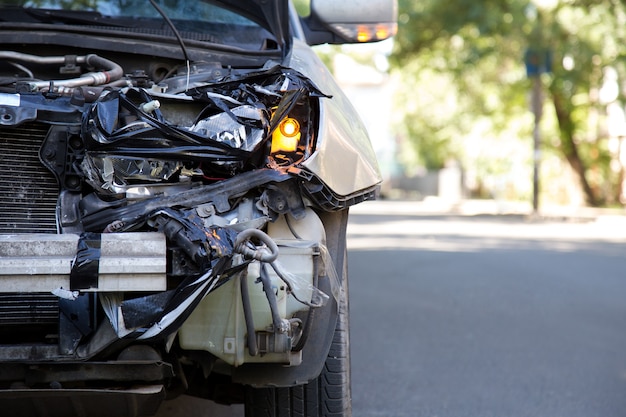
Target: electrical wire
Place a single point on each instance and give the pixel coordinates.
(178, 37)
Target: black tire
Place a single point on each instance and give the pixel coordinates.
(328, 395)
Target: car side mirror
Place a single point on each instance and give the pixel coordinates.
(332, 21)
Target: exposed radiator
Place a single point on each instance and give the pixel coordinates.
(28, 190)
(26, 309)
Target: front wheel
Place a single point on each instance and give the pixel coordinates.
(329, 394)
(326, 396)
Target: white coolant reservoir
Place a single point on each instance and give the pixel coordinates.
(308, 228)
(218, 324)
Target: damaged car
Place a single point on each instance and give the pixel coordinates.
(176, 180)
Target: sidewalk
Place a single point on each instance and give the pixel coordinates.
(434, 206)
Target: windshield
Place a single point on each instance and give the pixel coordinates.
(176, 9)
(188, 15)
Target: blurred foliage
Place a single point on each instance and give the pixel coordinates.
(464, 63)
(303, 7)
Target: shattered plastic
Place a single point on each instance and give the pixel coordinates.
(129, 139)
(236, 130)
(162, 313)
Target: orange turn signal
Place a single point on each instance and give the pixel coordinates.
(363, 34)
(286, 137)
(367, 32)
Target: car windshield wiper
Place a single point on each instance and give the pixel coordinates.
(53, 16)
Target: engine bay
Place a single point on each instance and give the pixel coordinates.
(137, 131)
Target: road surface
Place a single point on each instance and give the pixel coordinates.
(486, 315)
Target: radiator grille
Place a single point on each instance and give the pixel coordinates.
(28, 190)
(28, 309)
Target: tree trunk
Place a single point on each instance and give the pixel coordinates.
(569, 147)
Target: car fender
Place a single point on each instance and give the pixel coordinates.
(344, 158)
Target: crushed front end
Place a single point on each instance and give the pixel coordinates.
(156, 227)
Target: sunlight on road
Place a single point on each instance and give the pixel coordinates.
(414, 225)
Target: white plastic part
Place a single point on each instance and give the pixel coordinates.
(218, 324)
(150, 106)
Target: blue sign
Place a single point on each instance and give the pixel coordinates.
(538, 61)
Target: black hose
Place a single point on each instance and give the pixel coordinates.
(113, 73)
(277, 321)
(253, 349)
(259, 255)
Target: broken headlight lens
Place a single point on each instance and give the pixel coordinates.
(134, 135)
(237, 132)
(114, 174)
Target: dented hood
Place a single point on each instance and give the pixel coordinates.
(272, 14)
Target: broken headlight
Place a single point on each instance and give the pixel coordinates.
(137, 136)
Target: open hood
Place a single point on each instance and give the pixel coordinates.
(272, 14)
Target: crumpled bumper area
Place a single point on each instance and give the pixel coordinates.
(109, 262)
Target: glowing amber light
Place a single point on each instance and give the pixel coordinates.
(363, 34)
(289, 127)
(287, 136)
(382, 32)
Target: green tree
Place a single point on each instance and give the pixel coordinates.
(478, 46)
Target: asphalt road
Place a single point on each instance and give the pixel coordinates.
(481, 316)
(486, 315)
